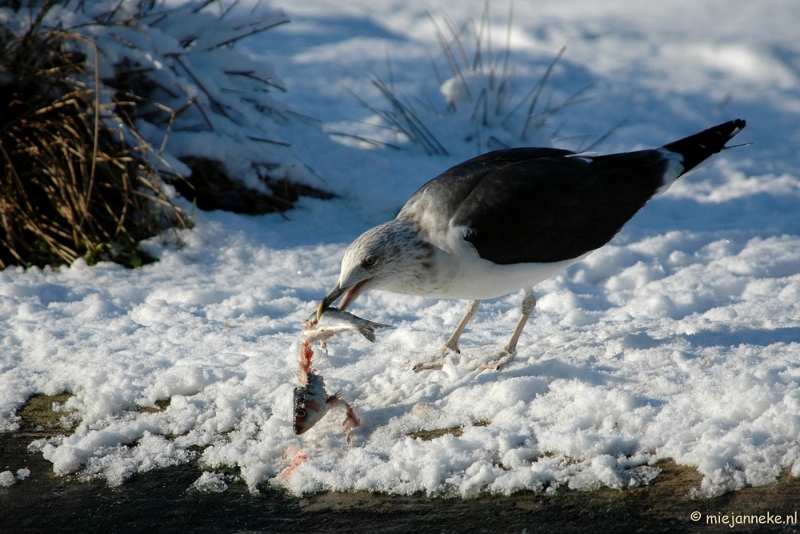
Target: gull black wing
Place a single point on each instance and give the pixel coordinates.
(552, 209)
(435, 203)
(542, 206)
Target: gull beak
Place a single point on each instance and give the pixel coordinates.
(350, 294)
(329, 299)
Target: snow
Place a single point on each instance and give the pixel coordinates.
(680, 339)
(210, 483)
(8, 479)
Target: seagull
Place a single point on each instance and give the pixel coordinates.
(509, 219)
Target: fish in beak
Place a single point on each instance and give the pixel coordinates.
(350, 294)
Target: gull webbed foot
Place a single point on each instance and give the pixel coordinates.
(498, 363)
(434, 364)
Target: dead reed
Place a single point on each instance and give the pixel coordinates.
(71, 185)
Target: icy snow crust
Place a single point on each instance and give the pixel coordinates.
(680, 339)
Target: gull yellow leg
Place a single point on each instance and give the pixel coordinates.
(451, 344)
(528, 305)
(469, 313)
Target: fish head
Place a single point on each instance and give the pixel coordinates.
(310, 405)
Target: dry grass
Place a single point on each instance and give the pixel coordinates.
(71, 186)
(77, 179)
(478, 80)
(457, 431)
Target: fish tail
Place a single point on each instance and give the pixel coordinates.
(368, 329)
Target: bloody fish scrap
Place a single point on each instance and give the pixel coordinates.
(311, 401)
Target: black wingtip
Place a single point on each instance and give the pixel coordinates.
(698, 147)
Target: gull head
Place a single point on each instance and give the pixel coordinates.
(391, 256)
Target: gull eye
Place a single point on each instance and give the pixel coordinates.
(369, 262)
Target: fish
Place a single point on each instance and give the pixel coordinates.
(334, 321)
(311, 401)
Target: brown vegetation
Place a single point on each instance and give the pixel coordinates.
(71, 186)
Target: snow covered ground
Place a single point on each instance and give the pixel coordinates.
(680, 339)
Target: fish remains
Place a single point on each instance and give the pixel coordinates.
(311, 401)
(334, 321)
